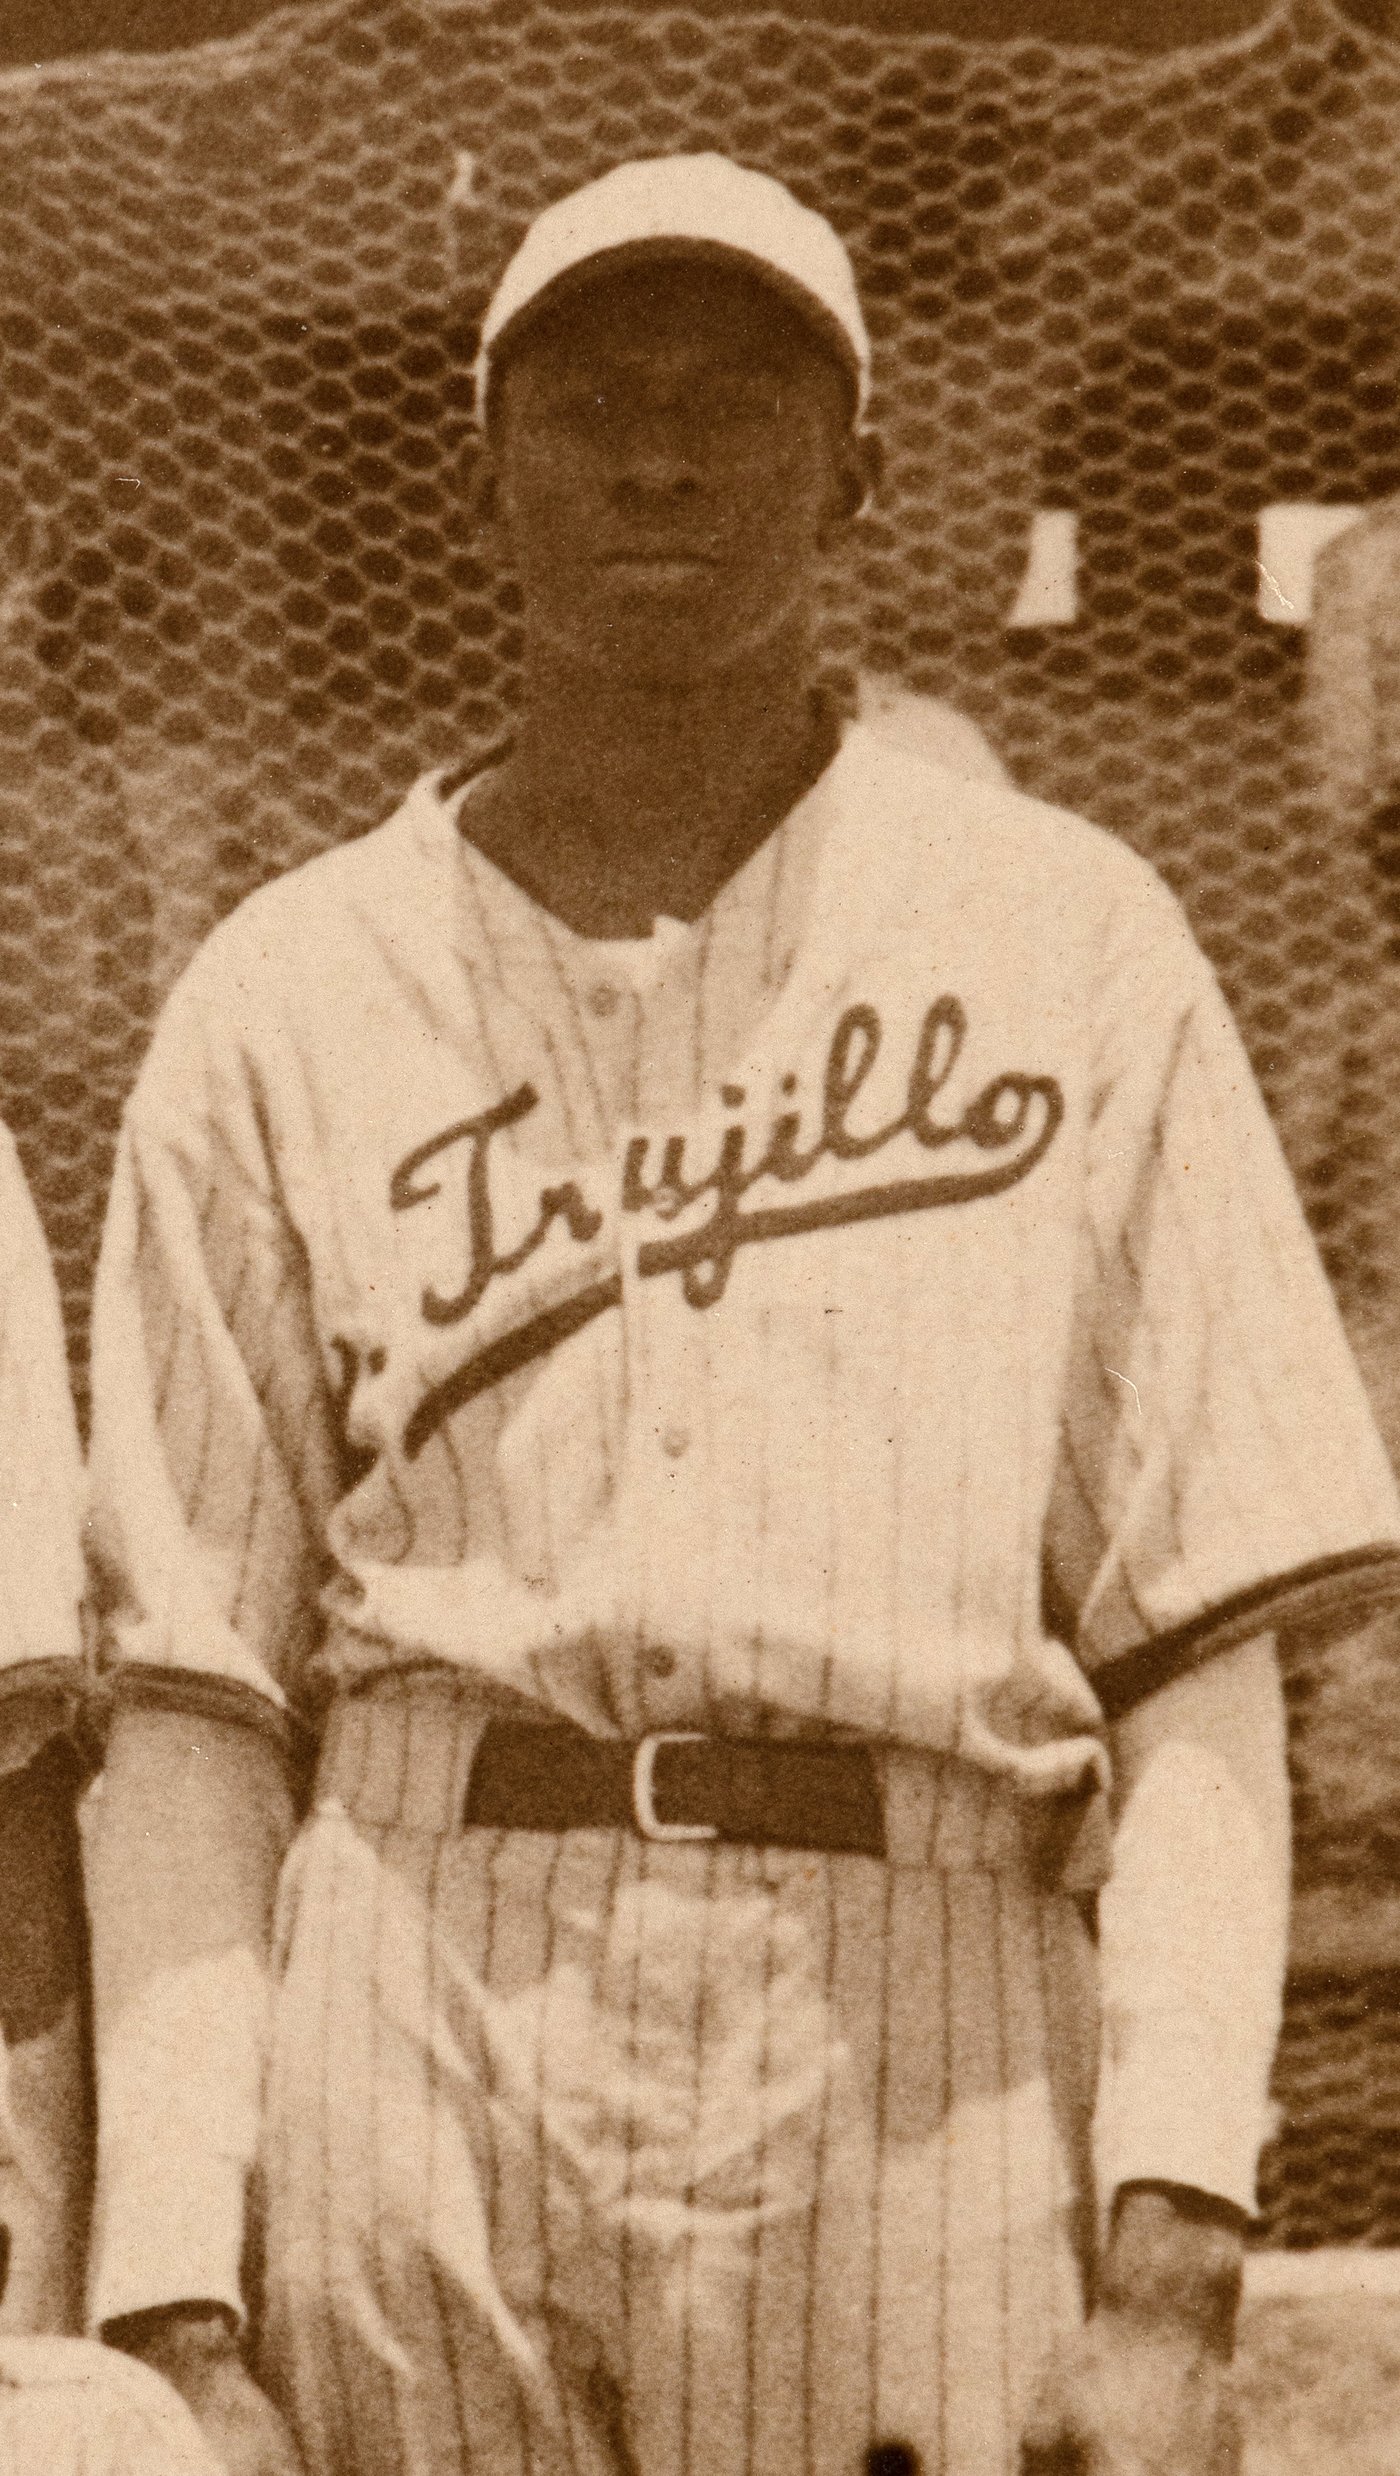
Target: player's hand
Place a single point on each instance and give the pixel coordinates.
(1147, 2389)
(1129, 2401)
(195, 2348)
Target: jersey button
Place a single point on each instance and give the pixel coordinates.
(674, 1442)
(661, 1662)
(603, 999)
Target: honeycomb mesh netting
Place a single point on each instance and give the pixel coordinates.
(236, 310)
(1332, 2176)
(242, 604)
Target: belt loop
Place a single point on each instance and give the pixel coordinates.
(444, 1721)
(398, 1748)
(910, 1791)
(945, 1813)
(341, 1762)
(375, 1757)
(960, 1840)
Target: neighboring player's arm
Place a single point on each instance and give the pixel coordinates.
(212, 1468)
(42, 2102)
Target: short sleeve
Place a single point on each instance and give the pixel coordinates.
(41, 1486)
(213, 1450)
(1218, 1457)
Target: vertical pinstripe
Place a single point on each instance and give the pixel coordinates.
(754, 2144)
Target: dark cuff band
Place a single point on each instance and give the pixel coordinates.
(1332, 1595)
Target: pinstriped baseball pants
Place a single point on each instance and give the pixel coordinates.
(587, 2155)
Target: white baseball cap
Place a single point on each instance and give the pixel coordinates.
(692, 205)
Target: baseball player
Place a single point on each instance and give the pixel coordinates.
(67, 2408)
(710, 1321)
(74, 920)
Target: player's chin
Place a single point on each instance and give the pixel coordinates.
(666, 633)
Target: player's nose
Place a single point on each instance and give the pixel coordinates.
(658, 446)
(657, 460)
(656, 481)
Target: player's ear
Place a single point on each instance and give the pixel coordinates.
(870, 454)
(483, 490)
(858, 469)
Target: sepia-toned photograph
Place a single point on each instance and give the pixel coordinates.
(699, 1238)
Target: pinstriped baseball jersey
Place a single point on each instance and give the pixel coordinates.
(765, 1324)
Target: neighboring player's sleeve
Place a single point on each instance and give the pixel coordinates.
(1220, 1470)
(41, 1483)
(213, 1467)
(42, 2075)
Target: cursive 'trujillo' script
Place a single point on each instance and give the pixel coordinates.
(1010, 1123)
(1013, 1117)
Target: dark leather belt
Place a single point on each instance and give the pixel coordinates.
(675, 1785)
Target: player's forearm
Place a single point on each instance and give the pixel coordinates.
(41, 1944)
(1194, 1933)
(189, 1829)
(45, 2123)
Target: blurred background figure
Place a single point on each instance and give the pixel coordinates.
(1351, 744)
(74, 919)
(1352, 700)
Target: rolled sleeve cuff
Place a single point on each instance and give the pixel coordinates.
(1183, 2102)
(169, 2232)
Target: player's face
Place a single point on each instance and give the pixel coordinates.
(671, 457)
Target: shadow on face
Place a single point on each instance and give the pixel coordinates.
(671, 456)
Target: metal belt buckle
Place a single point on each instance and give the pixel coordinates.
(644, 1813)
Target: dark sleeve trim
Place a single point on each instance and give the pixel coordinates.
(61, 1681)
(60, 1688)
(1328, 1596)
(137, 1686)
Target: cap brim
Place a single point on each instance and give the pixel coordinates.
(680, 248)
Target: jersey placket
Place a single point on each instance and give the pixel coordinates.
(699, 1005)
(664, 1358)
